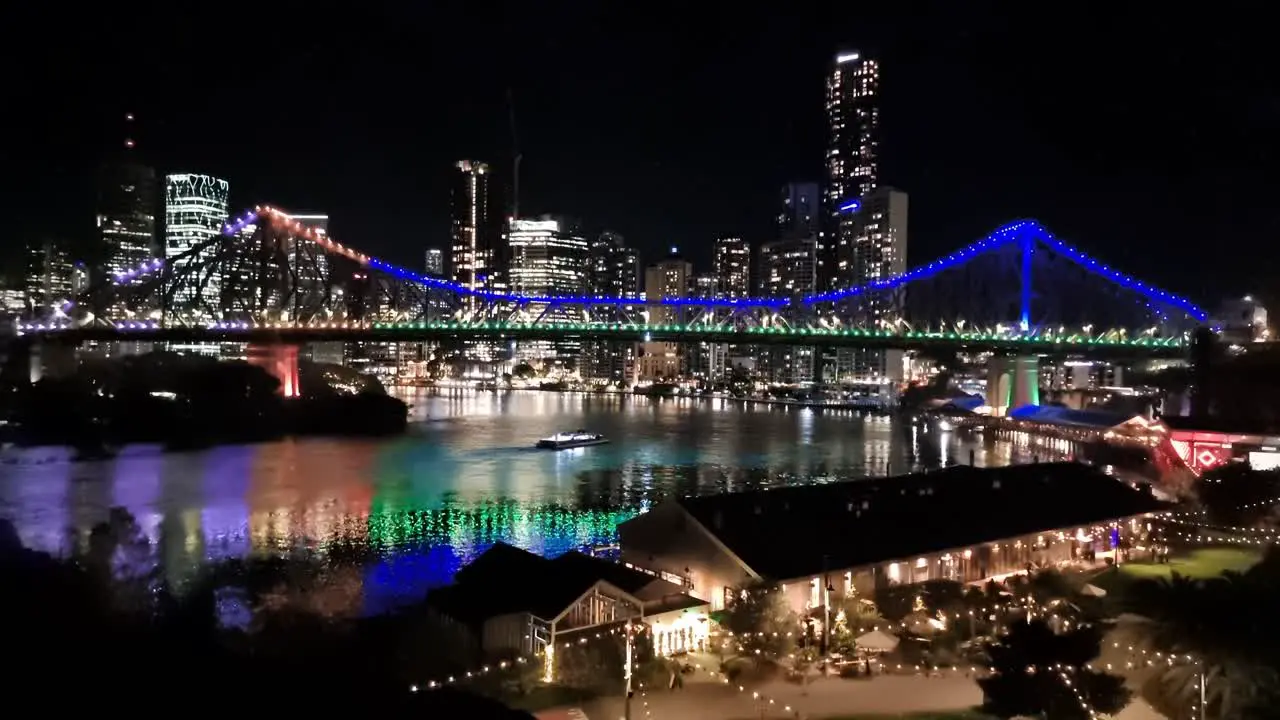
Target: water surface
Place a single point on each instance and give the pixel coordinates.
(465, 476)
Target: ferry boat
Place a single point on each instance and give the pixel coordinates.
(568, 440)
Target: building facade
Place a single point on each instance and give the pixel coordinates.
(788, 268)
(472, 225)
(862, 536)
(671, 277)
(549, 257)
(853, 160)
(195, 210)
(865, 238)
(615, 272)
(433, 262)
(50, 278)
(879, 252)
(732, 268)
(125, 208)
(126, 216)
(799, 211)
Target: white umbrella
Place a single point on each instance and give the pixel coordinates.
(877, 640)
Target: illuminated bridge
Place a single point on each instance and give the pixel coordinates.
(269, 279)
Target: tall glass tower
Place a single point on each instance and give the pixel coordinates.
(471, 225)
(853, 161)
(195, 208)
(125, 212)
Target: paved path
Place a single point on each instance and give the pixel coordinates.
(704, 698)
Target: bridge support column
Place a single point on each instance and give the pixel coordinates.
(1012, 382)
(281, 361)
(51, 360)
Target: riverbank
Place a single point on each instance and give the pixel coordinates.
(873, 406)
(98, 432)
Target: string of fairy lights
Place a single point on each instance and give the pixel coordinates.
(1145, 658)
(1064, 673)
(526, 659)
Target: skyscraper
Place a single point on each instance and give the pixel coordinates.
(853, 157)
(310, 265)
(472, 228)
(671, 277)
(615, 272)
(549, 257)
(732, 267)
(788, 268)
(195, 208)
(800, 212)
(50, 275)
(434, 262)
(125, 211)
(866, 235)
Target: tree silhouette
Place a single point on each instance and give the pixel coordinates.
(1216, 626)
(76, 627)
(1036, 671)
(1236, 495)
(762, 623)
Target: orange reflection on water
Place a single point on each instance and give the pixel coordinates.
(310, 492)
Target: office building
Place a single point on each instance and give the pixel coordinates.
(549, 258)
(865, 238)
(853, 171)
(799, 212)
(880, 252)
(667, 278)
(434, 262)
(50, 278)
(615, 272)
(732, 267)
(125, 211)
(472, 225)
(788, 268)
(195, 209)
(311, 264)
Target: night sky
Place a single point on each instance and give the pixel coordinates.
(1147, 140)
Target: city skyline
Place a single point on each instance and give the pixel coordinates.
(670, 180)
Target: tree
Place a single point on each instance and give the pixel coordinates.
(1218, 623)
(1036, 672)
(1236, 495)
(524, 371)
(852, 618)
(762, 623)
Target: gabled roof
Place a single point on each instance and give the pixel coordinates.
(506, 579)
(798, 531)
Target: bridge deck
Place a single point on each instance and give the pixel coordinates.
(436, 332)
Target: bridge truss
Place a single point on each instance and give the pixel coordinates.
(266, 268)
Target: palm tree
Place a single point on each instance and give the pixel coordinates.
(1036, 671)
(1216, 627)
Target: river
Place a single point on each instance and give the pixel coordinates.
(464, 477)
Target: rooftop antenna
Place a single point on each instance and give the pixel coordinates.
(515, 150)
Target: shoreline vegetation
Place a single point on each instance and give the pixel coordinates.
(186, 402)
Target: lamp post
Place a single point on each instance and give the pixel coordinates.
(826, 608)
(626, 673)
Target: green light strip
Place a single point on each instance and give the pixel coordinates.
(799, 333)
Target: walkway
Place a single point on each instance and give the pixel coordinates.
(706, 697)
